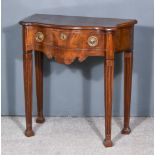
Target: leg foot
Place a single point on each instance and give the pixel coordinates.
(29, 133)
(40, 120)
(126, 131)
(107, 143)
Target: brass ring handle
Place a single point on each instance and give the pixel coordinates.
(63, 36)
(39, 36)
(92, 41)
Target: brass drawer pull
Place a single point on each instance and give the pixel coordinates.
(39, 36)
(92, 41)
(63, 36)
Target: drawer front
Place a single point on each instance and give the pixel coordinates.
(69, 39)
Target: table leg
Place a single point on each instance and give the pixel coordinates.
(108, 76)
(39, 85)
(128, 59)
(27, 67)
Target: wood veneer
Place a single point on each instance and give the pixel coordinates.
(66, 38)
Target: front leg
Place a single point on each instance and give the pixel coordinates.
(27, 66)
(108, 76)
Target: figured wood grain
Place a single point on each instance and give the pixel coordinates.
(124, 39)
(76, 22)
(76, 45)
(112, 36)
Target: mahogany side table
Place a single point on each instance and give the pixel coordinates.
(66, 38)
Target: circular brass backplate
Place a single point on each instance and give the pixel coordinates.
(92, 41)
(63, 36)
(39, 36)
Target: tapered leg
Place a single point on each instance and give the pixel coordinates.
(108, 76)
(128, 59)
(27, 66)
(39, 85)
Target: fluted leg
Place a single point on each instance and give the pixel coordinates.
(108, 76)
(39, 85)
(27, 66)
(128, 59)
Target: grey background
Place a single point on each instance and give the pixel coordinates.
(77, 89)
